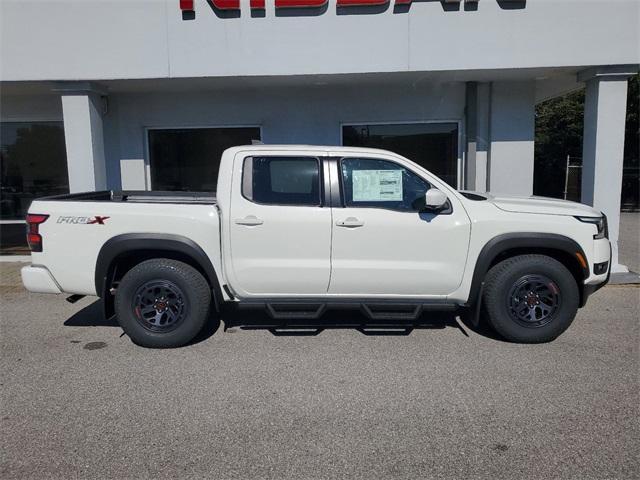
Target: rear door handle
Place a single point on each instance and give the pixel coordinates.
(249, 220)
(350, 222)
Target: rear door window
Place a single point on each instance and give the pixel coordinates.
(282, 180)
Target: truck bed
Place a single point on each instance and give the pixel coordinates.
(78, 226)
(137, 196)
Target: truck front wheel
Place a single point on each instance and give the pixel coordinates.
(162, 303)
(530, 298)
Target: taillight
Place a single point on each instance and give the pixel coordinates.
(34, 239)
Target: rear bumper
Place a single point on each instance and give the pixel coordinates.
(39, 280)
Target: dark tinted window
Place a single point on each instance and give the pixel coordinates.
(282, 180)
(383, 184)
(433, 146)
(33, 163)
(189, 158)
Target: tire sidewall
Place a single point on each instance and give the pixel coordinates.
(193, 289)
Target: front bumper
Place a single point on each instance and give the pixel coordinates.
(597, 281)
(39, 280)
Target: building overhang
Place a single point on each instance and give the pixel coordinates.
(608, 72)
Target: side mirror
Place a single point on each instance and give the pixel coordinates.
(434, 199)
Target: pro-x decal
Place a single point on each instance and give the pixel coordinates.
(95, 220)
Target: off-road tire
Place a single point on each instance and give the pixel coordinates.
(183, 282)
(497, 300)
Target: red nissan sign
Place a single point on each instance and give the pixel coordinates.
(188, 5)
(300, 3)
(365, 3)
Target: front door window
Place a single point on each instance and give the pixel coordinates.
(377, 183)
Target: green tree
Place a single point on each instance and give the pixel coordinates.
(559, 124)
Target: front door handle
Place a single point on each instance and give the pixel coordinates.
(350, 222)
(249, 220)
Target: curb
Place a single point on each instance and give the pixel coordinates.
(626, 278)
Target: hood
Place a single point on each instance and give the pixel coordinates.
(541, 205)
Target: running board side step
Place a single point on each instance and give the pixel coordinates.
(377, 310)
(385, 311)
(284, 311)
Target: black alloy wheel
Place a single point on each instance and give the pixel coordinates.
(534, 300)
(159, 305)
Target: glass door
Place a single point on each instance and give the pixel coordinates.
(433, 146)
(33, 163)
(189, 158)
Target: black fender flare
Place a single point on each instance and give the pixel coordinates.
(520, 240)
(131, 242)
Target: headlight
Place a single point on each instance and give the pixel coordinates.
(600, 223)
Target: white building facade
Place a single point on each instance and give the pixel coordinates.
(145, 94)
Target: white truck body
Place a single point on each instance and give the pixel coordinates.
(328, 251)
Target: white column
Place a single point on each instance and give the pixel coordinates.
(82, 112)
(512, 131)
(482, 138)
(477, 132)
(603, 146)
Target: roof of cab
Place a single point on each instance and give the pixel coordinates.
(288, 147)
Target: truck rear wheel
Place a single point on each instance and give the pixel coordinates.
(162, 303)
(530, 298)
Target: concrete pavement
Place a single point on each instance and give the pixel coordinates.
(79, 400)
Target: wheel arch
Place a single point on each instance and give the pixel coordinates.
(559, 247)
(121, 253)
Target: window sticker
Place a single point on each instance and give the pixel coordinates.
(377, 185)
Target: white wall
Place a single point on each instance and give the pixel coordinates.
(311, 115)
(90, 39)
(512, 133)
(82, 39)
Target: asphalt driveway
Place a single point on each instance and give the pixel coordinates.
(79, 400)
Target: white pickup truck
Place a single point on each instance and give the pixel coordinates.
(299, 229)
